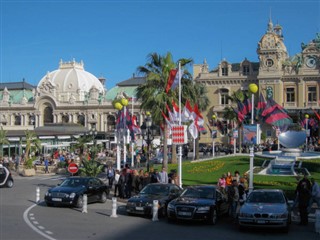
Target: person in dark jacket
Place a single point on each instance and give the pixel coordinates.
(303, 192)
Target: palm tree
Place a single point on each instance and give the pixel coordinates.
(152, 93)
(32, 143)
(3, 140)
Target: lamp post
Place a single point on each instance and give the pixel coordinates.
(251, 169)
(117, 136)
(214, 117)
(253, 89)
(307, 130)
(147, 132)
(93, 133)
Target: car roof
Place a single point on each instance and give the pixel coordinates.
(267, 190)
(202, 186)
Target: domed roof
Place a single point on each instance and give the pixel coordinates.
(71, 77)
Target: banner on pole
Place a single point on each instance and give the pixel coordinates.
(179, 135)
(214, 134)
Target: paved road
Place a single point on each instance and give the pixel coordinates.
(21, 218)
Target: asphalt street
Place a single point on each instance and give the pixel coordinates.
(21, 218)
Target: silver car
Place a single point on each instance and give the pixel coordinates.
(265, 208)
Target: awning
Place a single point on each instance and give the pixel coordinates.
(47, 137)
(64, 137)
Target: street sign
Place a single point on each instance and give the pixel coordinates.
(73, 168)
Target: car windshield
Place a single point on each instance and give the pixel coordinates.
(207, 193)
(155, 190)
(74, 182)
(266, 197)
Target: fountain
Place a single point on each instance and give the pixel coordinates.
(284, 162)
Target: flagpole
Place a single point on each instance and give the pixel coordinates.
(132, 142)
(180, 146)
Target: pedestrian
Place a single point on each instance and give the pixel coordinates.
(122, 183)
(128, 183)
(303, 192)
(110, 175)
(116, 183)
(46, 165)
(315, 194)
(138, 160)
(233, 199)
(222, 182)
(163, 176)
(154, 178)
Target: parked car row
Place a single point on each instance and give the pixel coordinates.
(263, 208)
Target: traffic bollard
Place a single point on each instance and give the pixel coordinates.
(85, 204)
(38, 195)
(155, 209)
(114, 208)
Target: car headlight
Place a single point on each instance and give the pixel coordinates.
(280, 215)
(149, 204)
(72, 195)
(203, 209)
(170, 206)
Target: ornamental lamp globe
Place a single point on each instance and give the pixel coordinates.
(118, 106)
(124, 102)
(253, 88)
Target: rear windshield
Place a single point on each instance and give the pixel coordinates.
(266, 197)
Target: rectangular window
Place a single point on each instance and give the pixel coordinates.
(290, 93)
(312, 94)
(245, 70)
(224, 71)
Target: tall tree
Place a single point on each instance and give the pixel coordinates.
(32, 143)
(3, 140)
(152, 93)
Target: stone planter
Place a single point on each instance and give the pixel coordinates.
(61, 171)
(28, 172)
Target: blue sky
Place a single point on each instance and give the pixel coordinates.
(113, 38)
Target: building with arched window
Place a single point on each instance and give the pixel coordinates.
(293, 81)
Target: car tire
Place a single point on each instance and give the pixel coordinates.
(103, 197)
(213, 217)
(9, 183)
(79, 203)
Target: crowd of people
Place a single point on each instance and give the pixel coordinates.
(127, 181)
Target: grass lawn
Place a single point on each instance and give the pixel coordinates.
(208, 172)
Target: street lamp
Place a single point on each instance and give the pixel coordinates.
(307, 130)
(251, 169)
(253, 89)
(93, 133)
(148, 131)
(214, 117)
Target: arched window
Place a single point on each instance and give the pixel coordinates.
(111, 122)
(81, 120)
(17, 120)
(48, 115)
(65, 119)
(224, 96)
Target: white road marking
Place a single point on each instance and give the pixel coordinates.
(35, 222)
(26, 219)
(41, 227)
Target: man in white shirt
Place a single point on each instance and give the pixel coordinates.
(163, 176)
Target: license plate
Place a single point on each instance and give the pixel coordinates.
(261, 221)
(184, 213)
(57, 199)
(139, 208)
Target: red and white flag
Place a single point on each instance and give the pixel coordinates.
(187, 112)
(197, 115)
(176, 111)
(193, 130)
(172, 118)
(175, 76)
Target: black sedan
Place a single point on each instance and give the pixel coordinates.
(198, 203)
(142, 203)
(5, 177)
(71, 191)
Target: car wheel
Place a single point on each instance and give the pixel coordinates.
(79, 203)
(103, 197)
(9, 183)
(214, 217)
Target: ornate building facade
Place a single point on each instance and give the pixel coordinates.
(293, 81)
(67, 101)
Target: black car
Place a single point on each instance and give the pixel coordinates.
(201, 202)
(6, 179)
(142, 203)
(71, 191)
